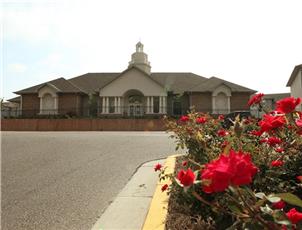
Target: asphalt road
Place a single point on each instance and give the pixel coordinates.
(65, 180)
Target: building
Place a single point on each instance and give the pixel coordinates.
(134, 92)
(295, 83)
(271, 99)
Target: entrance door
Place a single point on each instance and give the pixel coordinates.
(135, 110)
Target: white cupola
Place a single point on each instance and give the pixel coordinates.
(140, 60)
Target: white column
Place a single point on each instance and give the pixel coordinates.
(104, 105)
(151, 106)
(119, 105)
(107, 104)
(164, 105)
(115, 104)
(160, 104)
(148, 105)
(56, 105)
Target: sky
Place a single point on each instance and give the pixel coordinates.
(253, 43)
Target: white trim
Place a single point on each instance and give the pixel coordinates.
(164, 105)
(151, 106)
(160, 104)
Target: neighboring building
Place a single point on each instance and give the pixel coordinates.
(134, 92)
(295, 83)
(271, 99)
(269, 103)
(11, 108)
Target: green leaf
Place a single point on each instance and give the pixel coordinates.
(290, 199)
(234, 209)
(273, 199)
(260, 195)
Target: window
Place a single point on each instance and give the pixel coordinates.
(111, 105)
(48, 104)
(155, 104)
(177, 108)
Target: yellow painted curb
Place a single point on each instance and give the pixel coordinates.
(158, 210)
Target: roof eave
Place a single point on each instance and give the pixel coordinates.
(294, 74)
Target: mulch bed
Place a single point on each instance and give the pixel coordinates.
(181, 216)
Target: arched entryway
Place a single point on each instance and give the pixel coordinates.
(134, 103)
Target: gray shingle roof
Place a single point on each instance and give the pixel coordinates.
(92, 82)
(176, 82)
(63, 86)
(210, 84)
(15, 99)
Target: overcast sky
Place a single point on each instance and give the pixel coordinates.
(252, 43)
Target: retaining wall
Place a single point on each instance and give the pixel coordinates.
(82, 125)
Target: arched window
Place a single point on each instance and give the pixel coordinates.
(221, 103)
(48, 104)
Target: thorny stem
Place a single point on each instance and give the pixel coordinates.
(198, 197)
(194, 162)
(252, 213)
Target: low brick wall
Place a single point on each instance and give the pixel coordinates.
(82, 125)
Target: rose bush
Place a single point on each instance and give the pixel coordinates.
(244, 177)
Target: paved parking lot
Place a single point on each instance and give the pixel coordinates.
(64, 180)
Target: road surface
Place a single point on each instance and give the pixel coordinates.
(65, 180)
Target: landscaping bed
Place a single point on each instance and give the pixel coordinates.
(246, 176)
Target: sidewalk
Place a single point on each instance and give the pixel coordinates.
(129, 209)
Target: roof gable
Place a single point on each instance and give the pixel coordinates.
(133, 79)
(60, 84)
(294, 74)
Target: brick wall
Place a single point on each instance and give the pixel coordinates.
(82, 125)
(239, 101)
(201, 101)
(30, 105)
(69, 103)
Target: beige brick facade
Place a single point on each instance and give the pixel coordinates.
(239, 101)
(30, 105)
(201, 101)
(70, 103)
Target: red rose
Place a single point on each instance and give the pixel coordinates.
(255, 133)
(184, 163)
(294, 216)
(277, 163)
(299, 178)
(256, 99)
(287, 105)
(264, 140)
(222, 133)
(224, 144)
(279, 150)
(221, 117)
(272, 141)
(164, 187)
(270, 122)
(233, 169)
(157, 167)
(186, 178)
(279, 205)
(184, 118)
(201, 120)
(299, 122)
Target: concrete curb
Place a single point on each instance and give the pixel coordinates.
(158, 210)
(129, 209)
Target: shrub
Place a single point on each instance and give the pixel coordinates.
(245, 177)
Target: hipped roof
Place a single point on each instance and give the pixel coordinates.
(177, 82)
